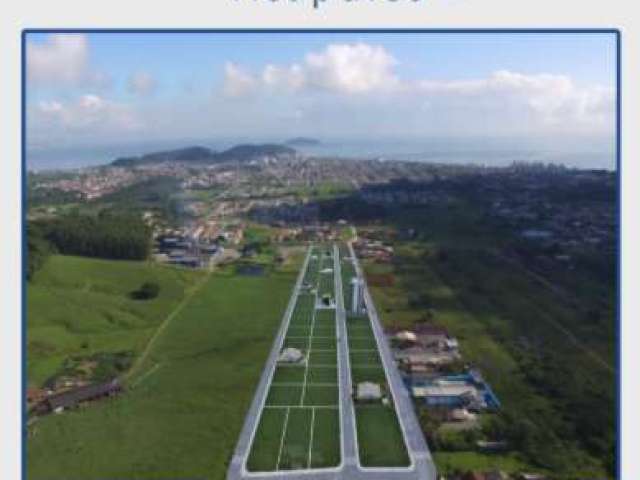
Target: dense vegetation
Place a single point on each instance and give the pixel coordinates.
(548, 355)
(147, 291)
(203, 155)
(352, 208)
(153, 193)
(97, 367)
(120, 237)
(37, 197)
(38, 249)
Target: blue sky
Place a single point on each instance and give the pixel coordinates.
(104, 88)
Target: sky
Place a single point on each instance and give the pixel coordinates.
(102, 89)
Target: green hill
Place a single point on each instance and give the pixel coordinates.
(185, 402)
(80, 307)
(202, 155)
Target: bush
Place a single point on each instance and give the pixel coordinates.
(147, 291)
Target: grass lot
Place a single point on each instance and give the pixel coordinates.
(348, 271)
(81, 306)
(183, 412)
(380, 440)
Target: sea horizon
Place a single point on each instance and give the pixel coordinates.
(481, 152)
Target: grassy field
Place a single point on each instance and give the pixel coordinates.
(182, 413)
(451, 462)
(380, 440)
(81, 306)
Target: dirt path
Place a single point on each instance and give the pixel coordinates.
(145, 353)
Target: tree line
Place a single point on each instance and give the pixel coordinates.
(118, 237)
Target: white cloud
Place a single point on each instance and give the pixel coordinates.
(89, 113)
(362, 94)
(554, 99)
(50, 107)
(141, 83)
(343, 68)
(362, 70)
(357, 68)
(62, 60)
(237, 82)
(293, 77)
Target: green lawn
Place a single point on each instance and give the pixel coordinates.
(322, 375)
(309, 439)
(266, 443)
(183, 413)
(297, 440)
(289, 374)
(368, 374)
(449, 462)
(81, 306)
(380, 440)
(283, 396)
(326, 448)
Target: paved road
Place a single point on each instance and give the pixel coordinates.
(422, 467)
(347, 420)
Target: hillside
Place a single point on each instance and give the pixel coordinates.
(185, 405)
(303, 142)
(82, 307)
(202, 155)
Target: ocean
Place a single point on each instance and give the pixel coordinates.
(488, 152)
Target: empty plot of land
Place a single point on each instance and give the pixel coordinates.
(367, 374)
(366, 365)
(299, 426)
(380, 439)
(296, 438)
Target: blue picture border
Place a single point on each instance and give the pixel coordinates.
(23, 174)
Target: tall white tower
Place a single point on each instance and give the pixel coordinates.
(357, 296)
